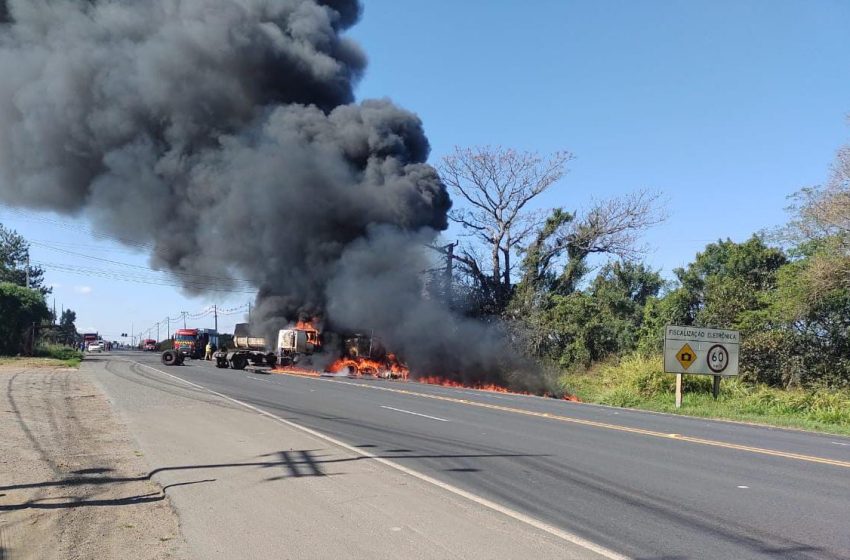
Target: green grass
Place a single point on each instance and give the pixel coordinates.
(639, 382)
(64, 355)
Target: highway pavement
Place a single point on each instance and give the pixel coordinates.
(640, 484)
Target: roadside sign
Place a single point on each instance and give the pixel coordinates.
(701, 351)
(686, 356)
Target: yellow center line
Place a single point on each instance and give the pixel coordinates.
(603, 425)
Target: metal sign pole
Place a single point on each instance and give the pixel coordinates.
(678, 390)
(715, 389)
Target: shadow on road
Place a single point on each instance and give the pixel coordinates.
(295, 464)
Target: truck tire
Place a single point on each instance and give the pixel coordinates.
(238, 362)
(169, 358)
(271, 359)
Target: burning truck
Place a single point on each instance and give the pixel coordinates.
(304, 349)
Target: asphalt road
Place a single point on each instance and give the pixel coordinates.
(644, 485)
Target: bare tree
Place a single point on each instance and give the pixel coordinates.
(824, 212)
(611, 227)
(496, 185)
(822, 216)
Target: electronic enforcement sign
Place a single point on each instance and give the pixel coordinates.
(701, 351)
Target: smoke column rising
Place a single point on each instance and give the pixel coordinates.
(225, 134)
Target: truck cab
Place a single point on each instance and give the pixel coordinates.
(186, 342)
(298, 341)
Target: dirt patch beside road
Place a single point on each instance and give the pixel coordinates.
(72, 485)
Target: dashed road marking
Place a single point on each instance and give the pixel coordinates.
(414, 413)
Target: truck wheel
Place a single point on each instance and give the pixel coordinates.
(271, 359)
(238, 362)
(169, 357)
(221, 362)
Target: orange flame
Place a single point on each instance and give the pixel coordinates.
(437, 380)
(295, 370)
(312, 332)
(358, 365)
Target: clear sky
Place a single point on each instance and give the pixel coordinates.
(726, 107)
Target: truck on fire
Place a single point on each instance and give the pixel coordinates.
(358, 354)
(292, 345)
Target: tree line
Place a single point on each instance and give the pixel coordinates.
(25, 317)
(574, 290)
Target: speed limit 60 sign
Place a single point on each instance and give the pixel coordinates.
(701, 351)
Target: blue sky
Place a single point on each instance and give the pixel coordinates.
(726, 107)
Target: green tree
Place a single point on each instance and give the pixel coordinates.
(603, 320)
(804, 330)
(724, 283)
(67, 326)
(14, 262)
(21, 310)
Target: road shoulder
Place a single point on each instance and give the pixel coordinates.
(72, 482)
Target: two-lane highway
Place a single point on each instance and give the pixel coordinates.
(644, 485)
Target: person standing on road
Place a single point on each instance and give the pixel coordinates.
(208, 355)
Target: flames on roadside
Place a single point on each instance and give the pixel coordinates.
(444, 382)
(386, 365)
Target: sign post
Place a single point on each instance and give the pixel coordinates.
(700, 351)
(678, 390)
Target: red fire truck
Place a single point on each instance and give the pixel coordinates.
(192, 343)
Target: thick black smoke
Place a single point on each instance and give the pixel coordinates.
(225, 134)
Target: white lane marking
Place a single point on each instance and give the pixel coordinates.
(414, 413)
(840, 443)
(255, 379)
(504, 510)
(743, 487)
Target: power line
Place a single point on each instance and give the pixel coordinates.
(112, 274)
(29, 216)
(141, 267)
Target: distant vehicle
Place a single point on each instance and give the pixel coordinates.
(149, 345)
(95, 347)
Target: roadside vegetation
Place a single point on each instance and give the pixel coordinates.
(579, 298)
(70, 357)
(28, 328)
(637, 381)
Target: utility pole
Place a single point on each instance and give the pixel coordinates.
(184, 318)
(157, 332)
(215, 314)
(249, 311)
(447, 274)
(28, 269)
(168, 320)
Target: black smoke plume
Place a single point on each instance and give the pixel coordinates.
(225, 134)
